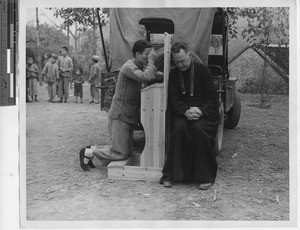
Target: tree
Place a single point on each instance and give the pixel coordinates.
(81, 18)
(38, 44)
(265, 26)
(84, 55)
(86, 23)
(51, 38)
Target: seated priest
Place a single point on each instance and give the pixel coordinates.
(193, 104)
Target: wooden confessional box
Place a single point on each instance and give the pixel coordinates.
(148, 166)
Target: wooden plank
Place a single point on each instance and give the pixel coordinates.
(150, 120)
(144, 112)
(167, 59)
(118, 164)
(156, 85)
(167, 62)
(141, 168)
(135, 173)
(153, 112)
(157, 150)
(146, 120)
(161, 156)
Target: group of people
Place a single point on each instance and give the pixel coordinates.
(193, 103)
(58, 73)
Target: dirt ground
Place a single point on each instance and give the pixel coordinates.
(252, 181)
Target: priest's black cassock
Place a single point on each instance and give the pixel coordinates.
(191, 156)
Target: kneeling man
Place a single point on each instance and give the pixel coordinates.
(125, 108)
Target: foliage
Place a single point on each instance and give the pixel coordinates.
(83, 56)
(276, 86)
(233, 17)
(265, 25)
(84, 16)
(51, 38)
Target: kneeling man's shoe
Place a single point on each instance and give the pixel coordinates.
(90, 163)
(205, 186)
(84, 166)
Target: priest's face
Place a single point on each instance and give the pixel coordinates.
(182, 60)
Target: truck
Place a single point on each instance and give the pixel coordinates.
(204, 29)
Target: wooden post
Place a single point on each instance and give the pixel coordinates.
(153, 115)
(167, 63)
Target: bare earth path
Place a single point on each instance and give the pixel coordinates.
(252, 181)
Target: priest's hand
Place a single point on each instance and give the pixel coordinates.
(194, 113)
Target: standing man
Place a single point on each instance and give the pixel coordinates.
(94, 76)
(194, 122)
(125, 108)
(65, 67)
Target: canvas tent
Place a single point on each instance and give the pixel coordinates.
(191, 25)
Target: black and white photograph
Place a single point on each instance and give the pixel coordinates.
(161, 115)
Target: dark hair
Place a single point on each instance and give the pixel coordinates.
(65, 48)
(80, 70)
(139, 46)
(177, 46)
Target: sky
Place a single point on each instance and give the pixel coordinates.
(44, 15)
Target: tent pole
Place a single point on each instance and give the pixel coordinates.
(103, 45)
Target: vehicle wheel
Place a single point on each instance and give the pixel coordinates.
(233, 115)
(219, 137)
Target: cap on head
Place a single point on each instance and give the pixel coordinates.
(95, 58)
(54, 56)
(139, 46)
